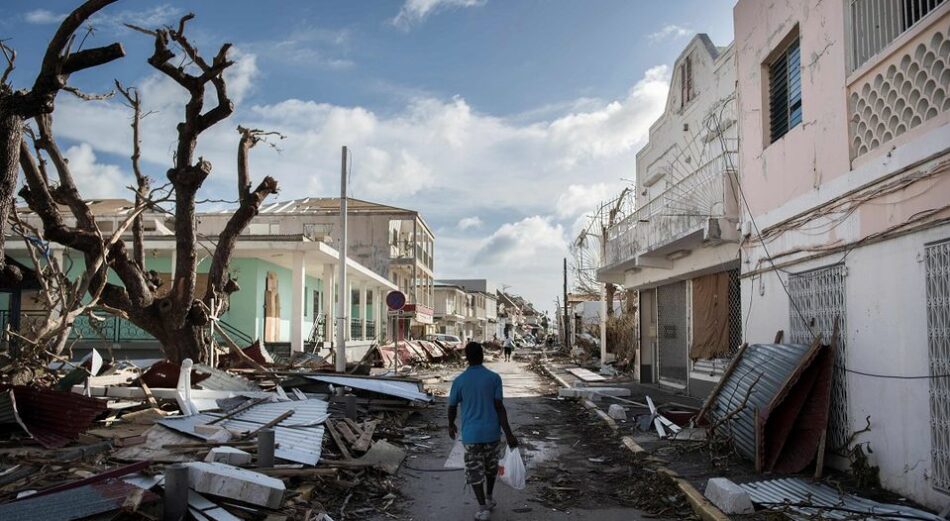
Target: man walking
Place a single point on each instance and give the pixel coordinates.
(509, 347)
(478, 391)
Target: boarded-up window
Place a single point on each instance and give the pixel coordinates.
(711, 337)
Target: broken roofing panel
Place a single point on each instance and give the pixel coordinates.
(53, 418)
(76, 503)
(218, 380)
(299, 437)
(776, 398)
(406, 389)
(811, 500)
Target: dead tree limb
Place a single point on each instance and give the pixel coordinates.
(18, 106)
(142, 182)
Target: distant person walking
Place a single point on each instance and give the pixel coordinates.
(478, 391)
(509, 347)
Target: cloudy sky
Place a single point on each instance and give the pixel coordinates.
(502, 121)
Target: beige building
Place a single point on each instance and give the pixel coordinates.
(395, 243)
(451, 304)
(845, 154)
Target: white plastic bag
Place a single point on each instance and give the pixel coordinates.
(511, 469)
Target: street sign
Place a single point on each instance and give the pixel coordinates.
(395, 300)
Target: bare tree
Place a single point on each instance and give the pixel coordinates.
(18, 106)
(178, 318)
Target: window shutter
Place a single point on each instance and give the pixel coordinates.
(785, 92)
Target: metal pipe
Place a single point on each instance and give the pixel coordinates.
(343, 291)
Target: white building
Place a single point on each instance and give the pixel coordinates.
(679, 248)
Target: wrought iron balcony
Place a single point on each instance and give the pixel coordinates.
(686, 207)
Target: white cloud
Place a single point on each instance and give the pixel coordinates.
(440, 156)
(96, 180)
(580, 199)
(415, 11)
(669, 32)
(43, 16)
(241, 75)
(467, 223)
(519, 244)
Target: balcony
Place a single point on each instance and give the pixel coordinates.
(902, 84)
(700, 207)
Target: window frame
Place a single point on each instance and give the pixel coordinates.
(794, 107)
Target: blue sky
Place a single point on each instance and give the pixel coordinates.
(502, 121)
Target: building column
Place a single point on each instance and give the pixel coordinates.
(329, 289)
(298, 292)
(363, 308)
(348, 307)
(378, 313)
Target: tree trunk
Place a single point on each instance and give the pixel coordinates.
(11, 132)
(178, 343)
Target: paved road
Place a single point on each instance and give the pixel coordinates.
(542, 425)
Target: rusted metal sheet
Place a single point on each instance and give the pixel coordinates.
(76, 503)
(785, 389)
(54, 418)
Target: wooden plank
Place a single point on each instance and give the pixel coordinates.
(356, 427)
(346, 432)
(338, 440)
(366, 438)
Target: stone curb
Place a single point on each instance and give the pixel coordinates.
(700, 505)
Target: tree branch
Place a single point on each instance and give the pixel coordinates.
(142, 183)
(248, 209)
(187, 174)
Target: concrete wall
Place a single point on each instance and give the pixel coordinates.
(879, 238)
(886, 334)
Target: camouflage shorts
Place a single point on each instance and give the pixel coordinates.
(481, 459)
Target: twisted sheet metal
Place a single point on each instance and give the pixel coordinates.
(763, 368)
(53, 418)
(299, 437)
(794, 493)
(406, 389)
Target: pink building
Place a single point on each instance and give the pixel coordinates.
(844, 161)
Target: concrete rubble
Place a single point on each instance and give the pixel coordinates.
(109, 439)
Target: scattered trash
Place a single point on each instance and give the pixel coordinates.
(617, 412)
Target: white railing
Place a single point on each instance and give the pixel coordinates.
(682, 209)
(873, 24)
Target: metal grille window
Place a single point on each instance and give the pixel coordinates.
(938, 336)
(874, 24)
(785, 91)
(671, 333)
(818, 298)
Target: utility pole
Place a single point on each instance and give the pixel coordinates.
(603, 294)
(567, 320)
(341, 311)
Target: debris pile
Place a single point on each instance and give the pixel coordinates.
(255, 437)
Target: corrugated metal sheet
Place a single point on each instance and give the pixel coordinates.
(406, 389)
(299, 438)
(55, 418)
(789, 492)
(766, 367)
(76, 503)
(219, 380)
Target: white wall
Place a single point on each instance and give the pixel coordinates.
(886, 334)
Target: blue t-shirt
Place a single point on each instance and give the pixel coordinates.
(474, 392)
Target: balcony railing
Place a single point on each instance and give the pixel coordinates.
(110, 329)
(684, 208)
(906, 87)
(874, 24)
(370, 329)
